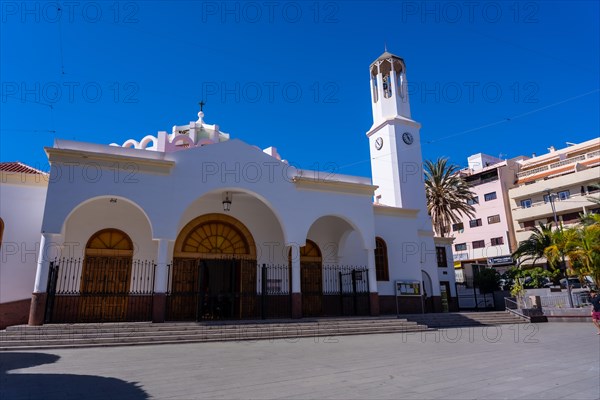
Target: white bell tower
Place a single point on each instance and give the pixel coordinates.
(394, 140)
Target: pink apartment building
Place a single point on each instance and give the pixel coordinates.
(487, 238)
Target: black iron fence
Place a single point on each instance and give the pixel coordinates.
(100, 289)
(113, 289)
(346, 290)
(227, 289)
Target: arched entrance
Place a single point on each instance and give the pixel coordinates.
(106, 276)
(311, 279)
(427, 292)
(214, 265)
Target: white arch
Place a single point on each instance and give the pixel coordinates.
(232, 189)
(344, 235)
(131, 143)
(118, 198)
(147, 139)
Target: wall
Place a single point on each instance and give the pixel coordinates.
(21, 208)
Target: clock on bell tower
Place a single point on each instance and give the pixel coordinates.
(396, 161)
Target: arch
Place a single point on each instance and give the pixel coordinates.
(311, 278)
(427, 291)
(132, 144)
(1, 231)
(146, 140)
(310, 252)
(119, 198)
(106, 276)
(182, 141)
(381, 260)
(109, 242)
(214, 258)
(235, 192)
(350, 226)
(215, 235)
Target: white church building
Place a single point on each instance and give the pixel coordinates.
(195, 225)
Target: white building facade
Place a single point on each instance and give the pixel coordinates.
(556, 185)
(194, 225)
(22, 198)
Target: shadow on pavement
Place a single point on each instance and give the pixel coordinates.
(58, 386)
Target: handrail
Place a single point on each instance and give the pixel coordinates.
(512, 307)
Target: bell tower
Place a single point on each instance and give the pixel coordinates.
(394, 140)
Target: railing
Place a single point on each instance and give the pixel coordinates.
(512, 307)
(100, 289)
(567, 161)
(557, 164)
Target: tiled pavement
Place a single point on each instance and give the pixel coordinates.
(542, 361)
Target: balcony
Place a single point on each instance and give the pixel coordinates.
(572, 181)
(541, 209)
(588, 156)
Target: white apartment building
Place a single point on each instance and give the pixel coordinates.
(487, 238)
(565, 176)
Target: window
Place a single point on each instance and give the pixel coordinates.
(475, 223)
(489, 196)
(546, 198)
(478, 244)
(526, 203)
(460, 246)
(442, 261)
(474, 200)
(493, 219)
(381, 260)
(458, 227)
(497, 241)
(564, 195)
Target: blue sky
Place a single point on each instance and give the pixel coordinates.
(506, 78)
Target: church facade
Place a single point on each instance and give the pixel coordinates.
(194, 225)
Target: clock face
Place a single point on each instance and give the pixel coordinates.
(407, 137)
(378, 143)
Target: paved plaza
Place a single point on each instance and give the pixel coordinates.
(541, 361)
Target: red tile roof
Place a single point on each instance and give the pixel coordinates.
(19, 167)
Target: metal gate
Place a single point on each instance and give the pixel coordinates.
(227, 288)
(345, 290)
(354, 292)
(470, 298)
(99, 289)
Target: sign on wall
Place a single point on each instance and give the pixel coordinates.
(408, 288)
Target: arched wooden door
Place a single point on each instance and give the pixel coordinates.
(311, 279)
(214, 271)
(106, 276)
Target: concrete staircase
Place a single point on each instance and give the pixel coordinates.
(23, 337)
(465, 319)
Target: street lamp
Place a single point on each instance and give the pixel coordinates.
(551, 200)
(227, 202)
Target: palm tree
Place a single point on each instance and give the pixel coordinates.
(535, 246)
(583, 250)
(556, 251)
(447, 195)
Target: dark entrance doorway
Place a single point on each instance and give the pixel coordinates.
(311, 279)
(212, 289)
(214, 272)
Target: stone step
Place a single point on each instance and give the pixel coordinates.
(192, 325)
(44, 343)
(146, 327)
(55, 334)
(451, 320)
